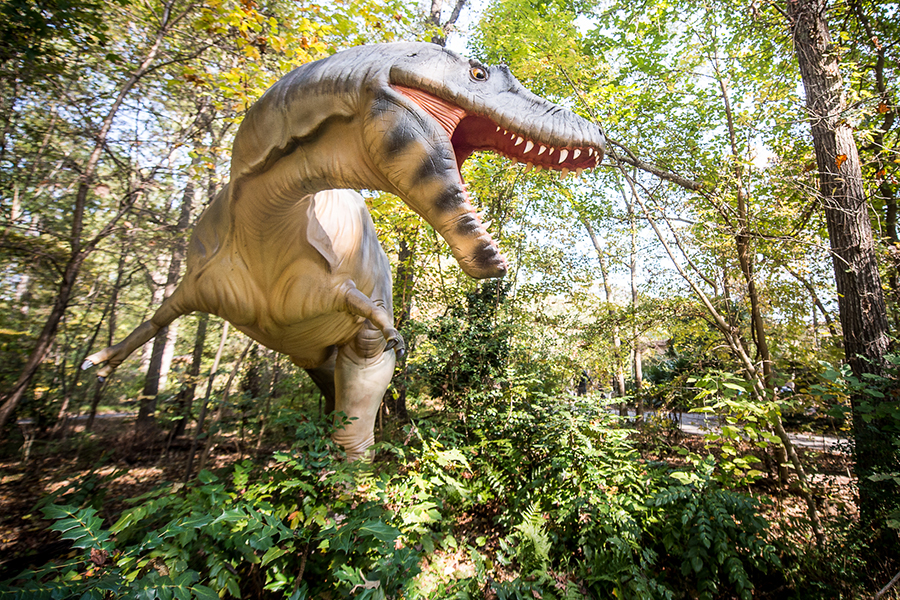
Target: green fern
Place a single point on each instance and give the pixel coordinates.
(81, 526)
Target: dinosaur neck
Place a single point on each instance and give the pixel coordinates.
(263, 201)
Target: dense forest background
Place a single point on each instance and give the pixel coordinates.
(737, 254)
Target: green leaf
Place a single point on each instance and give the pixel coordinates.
(682, 477)
(696, 563)
(201, 592)
(382, 531)
(271, 554)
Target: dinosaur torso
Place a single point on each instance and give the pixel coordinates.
(290, 256)
(282, 286)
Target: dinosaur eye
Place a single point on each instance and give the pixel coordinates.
(478, 74)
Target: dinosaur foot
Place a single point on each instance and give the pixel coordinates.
(108, 356)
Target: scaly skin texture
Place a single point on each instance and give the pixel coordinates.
(291, 258)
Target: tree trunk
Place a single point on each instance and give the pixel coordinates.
(44, 340)
(155, 372)
(220, 411)
(441, 30)
(395, 400)
(204, 407)
(185, 400)
(742, 242)
(619, 377)
(636, 363)
(860, 299)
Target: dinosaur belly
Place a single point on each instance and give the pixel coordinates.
(308, 343)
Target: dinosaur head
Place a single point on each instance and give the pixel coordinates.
(438, 109)
(403, 118)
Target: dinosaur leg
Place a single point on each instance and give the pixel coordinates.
(113, 356)
(361, 378)
(323, 377)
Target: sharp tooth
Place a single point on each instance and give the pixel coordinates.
(563, 174)
(487, 224)
(542, 150)
(576, 154)
(578, 173)
(498, 128)
(515, 162)
(563, 154)
(590, 151)
(528, 167)
(528, 146)
(519, 140)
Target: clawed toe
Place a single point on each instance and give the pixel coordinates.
(395, 342)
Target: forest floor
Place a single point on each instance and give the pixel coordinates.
(108, 465)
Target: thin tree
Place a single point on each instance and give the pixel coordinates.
(80, 246)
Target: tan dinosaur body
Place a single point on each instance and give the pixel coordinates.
(292, 259)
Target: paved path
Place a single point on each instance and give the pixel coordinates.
(702, 423)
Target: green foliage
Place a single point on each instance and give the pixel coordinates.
(876, 416)
(581, 516)
(718, 535)
(574, 511)
(469, 348)
(42, 32)
(745, 418)
(258, 531)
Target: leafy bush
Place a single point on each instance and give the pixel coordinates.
(574, 513)
(469, 348)
(307, 524)
(583, 516)
(716, 535)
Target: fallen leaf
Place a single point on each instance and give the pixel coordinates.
(839, 160)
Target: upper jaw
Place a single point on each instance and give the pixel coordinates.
(581, 147)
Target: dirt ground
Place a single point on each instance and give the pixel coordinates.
(108, 464)
(111, 466)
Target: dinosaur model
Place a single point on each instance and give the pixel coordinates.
(290, 257)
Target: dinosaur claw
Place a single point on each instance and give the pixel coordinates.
(395, 342)
(87, 364)
(100, 378)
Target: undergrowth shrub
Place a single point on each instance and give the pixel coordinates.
(575, 513)
(583, 516)
(307, 524)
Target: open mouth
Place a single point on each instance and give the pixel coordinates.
(470, 133)
(474, 247)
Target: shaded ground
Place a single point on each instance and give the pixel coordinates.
(107, 465)
(110, 467)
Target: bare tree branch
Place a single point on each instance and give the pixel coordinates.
(634, 161)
